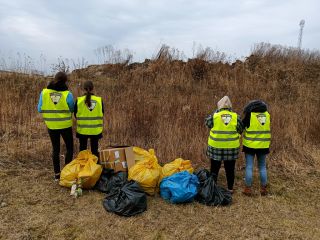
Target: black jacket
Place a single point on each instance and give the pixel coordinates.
(253, 106)
(57, 86)
(78, 135)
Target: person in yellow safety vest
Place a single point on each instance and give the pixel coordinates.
(56, 105)
(224, 140)
(89, 114)
(256, 141)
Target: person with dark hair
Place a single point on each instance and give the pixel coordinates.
(56, 105)
(224, 140)
(256, 142)
(89, 114)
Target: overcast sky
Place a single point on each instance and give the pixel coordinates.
(74, 28)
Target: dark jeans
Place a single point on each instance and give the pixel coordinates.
(67, 137)
(94, 142)
(229, 167)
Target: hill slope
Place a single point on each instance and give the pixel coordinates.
(162, 104)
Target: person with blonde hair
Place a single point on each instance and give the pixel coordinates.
(224, 140)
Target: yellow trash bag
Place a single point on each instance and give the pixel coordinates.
(146, 171)
(141, 154)
(175, 166)
(83, 169)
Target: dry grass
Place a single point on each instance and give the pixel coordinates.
(161, 104)
(39, 209)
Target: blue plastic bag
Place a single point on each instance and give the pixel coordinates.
(180, 187)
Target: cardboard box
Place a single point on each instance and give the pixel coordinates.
(119, 158)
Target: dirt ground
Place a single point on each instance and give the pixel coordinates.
(33, 206)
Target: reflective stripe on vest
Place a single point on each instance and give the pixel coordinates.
(55, 110)
(258, 135)
(89, 122)
(224, 132)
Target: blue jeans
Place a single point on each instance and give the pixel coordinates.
(262, 169)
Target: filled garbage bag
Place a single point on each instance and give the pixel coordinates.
(175, 166)
(146, 171)
(179, 188)
(209, 193)
(109, 180)
(83, 170)
(141, 154)
(128, 200)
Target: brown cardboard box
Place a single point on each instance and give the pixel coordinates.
(119, 158)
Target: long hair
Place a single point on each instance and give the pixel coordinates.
(88, 87)
(59, 82)
(60, 77)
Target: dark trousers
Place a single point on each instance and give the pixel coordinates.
(55, 141)
(94, 142)
(229, 167)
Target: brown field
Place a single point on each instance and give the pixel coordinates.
(161, 104)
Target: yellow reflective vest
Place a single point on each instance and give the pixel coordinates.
(89, 120)
(224, 132)
(55, 110)
(258, 135)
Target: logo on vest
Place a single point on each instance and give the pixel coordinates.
(262, 118)
(93, 105)
(55, 97)
(226, 118)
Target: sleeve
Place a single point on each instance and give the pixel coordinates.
(70, 102)
(239, 125)
(40, 103)
(209, 121)
(75, 108)
(246, 120)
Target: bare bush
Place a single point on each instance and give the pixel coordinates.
(167, 53)
(63, 65)
(109, 55)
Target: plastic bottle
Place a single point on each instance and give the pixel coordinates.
(73, 189)
(78, 191)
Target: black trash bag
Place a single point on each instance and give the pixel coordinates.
(109, 180)
(209, 193)
(128, 200)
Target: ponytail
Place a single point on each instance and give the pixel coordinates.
(88, 87)
(88, 99)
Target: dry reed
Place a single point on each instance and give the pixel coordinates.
(162, 103)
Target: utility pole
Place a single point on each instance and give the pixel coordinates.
(302, 22)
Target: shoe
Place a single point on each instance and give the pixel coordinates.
(263, 190)
(57, 177)
(231, 191)
(247, 191)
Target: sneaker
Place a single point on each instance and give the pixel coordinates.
(57, 177)
(231, 191)
(263, 190)
(247, 191)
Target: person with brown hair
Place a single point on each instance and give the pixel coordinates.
(89, 114)
(224, 140)
(256, 142)
(56, 105)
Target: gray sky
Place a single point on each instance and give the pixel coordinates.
(73, 29)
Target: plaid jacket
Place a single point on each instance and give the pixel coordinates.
(222, 154)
